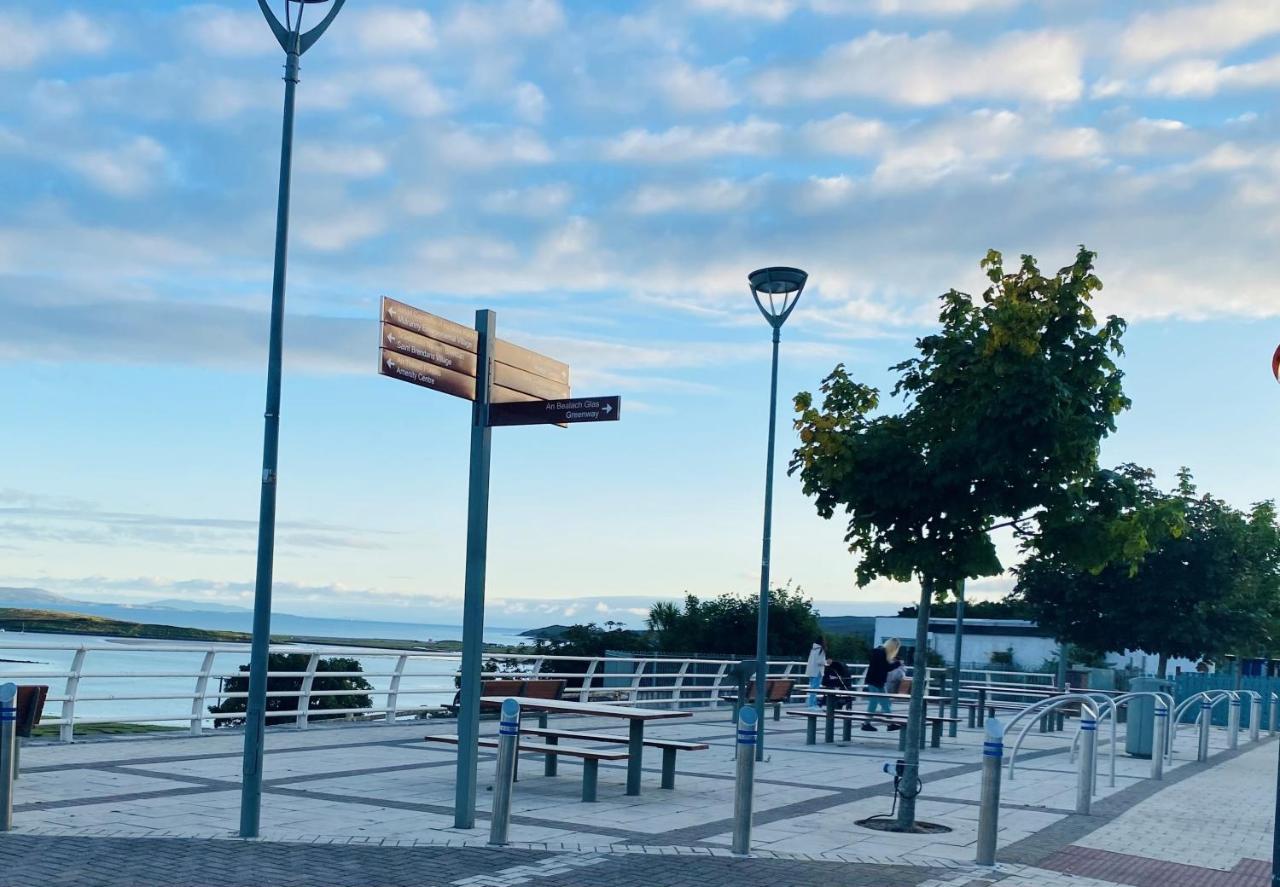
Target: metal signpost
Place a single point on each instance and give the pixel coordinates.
(507, 385)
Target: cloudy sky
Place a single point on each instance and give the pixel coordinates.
(603, 175)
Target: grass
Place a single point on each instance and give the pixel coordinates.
(51, 731)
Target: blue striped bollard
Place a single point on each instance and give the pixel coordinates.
(1206, 715)
(1160, 724)
(1088, 745)
(8, 743)
(508, 749)
(1233, 723)
(745, 785)
(989, 809)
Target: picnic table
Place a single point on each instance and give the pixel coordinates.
(636, 718)
(833, 696)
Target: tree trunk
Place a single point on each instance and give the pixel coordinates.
(1163, 668)
(915, 722)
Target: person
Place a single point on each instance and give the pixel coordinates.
(836, 676)
(883, 660)
(814, 668)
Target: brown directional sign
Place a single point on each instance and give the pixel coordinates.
(557, 412)
(415, 333)
(429, 375)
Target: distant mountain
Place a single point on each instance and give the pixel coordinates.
(193, 606)
(35, 598)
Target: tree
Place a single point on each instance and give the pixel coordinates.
(1207, 587)
(1002, 414)
(350, 686)
(727, 624)
(1006, 608)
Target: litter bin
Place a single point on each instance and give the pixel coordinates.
(1140, 732)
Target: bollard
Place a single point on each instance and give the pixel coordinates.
(8, 742)
(989, 810)
(745, 783)
(508, 751)
(1233, 723)
(1275, 714)
(1088, 742)
(1255, 716)
(1160, 723)
(1206, 715)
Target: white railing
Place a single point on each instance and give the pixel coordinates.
(159, 683)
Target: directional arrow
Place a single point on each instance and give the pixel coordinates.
(556, 412)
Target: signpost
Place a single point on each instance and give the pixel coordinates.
(507, 385)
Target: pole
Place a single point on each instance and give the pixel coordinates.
(1062, 666)
(1233, 723)
(8, 744)
(762, 619)
(745, 783)
(1088, 743)
(256, 707)
(508, 751)
(1255, 716)
(464, 802)
(915, 713)
(1275, 714)
(955, 681)
(1206, 714)
(1159, 724)
(989, 809)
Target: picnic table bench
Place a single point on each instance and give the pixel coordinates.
(591, 757)
(531, 688)
(669, 747)
(848, 717)
(776, 692)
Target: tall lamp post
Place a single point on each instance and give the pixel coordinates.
(294, 41)
(1275, 828)
(776, 291)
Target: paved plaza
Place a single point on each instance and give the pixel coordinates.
(365, 804)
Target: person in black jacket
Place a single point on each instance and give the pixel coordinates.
(882, 660)
(836, 676)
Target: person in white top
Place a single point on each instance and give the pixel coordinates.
(814, 667)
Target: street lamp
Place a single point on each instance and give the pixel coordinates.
(294, 41)
(776, 291)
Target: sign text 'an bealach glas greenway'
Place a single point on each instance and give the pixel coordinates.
(507, 385)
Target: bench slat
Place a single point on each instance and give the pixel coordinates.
(598, 754)
(613, 737)
(862, 715)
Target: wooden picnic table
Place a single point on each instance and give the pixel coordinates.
(636, 719)
(833, 696)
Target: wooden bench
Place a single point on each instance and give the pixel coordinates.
(530, 688)
(777, 691)
(848, 717)
(669, 748)
(591, 757)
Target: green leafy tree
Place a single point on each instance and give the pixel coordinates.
(727, 624)
(351, 687)
(1001, 415)
(1208, 587)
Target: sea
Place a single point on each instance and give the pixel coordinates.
(117, 671)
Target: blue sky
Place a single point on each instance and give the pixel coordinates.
(603, 175)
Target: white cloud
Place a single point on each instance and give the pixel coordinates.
(1205, 27)
(334, 231)
(537, 201)
(341, 161)
(846, 134)
(934, 69)
(777, 10)
(224, 32)
(393, 30)
(488, 146)
(530, 103)
(716, 196)
(826, 192)
(1200, 78)
(770, 10)
(683, 143)
(127, 171)
(25, 41)
(687, 88)
(497, 22)
(406, 88)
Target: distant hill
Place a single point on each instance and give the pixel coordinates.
(32, 597)
(546, 633)
(15, 619)
(193, 606)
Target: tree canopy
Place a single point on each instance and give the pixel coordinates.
(727, 624)
(1207, 587)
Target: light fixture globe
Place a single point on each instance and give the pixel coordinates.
(779, 287)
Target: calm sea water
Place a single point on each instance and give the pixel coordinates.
(115, 670)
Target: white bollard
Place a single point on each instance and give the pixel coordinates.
(1206, 715)
(1275, 714)
(508, 751)
(1233, 724)
(989, 809)
(1088, 744)
(1159, 724)
(745, 784)
(1255, 716)
(8, 744)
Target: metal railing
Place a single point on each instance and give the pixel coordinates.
(163, 683)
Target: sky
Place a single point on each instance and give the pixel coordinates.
(603, 176)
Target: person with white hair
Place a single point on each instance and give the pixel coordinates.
(883, 660)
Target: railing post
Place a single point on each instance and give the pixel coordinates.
(67, 731)
(508, 751)
(304, 692)
(1088, 743)
(1233, 723)
(1255, 716)
(584, 695)
(636, 677)
(1159, 724)
(393, 691)
(989, 808)
(677, 690)
(1275, 714)
(199, 697)
(744, 785)
(1206, 716)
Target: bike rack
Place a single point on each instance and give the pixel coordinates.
(1214, 696)
(1043, 707)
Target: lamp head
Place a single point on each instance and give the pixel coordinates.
(776, 291)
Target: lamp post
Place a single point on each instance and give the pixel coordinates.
(776, 291)
(1275, 828)
(294, 41)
